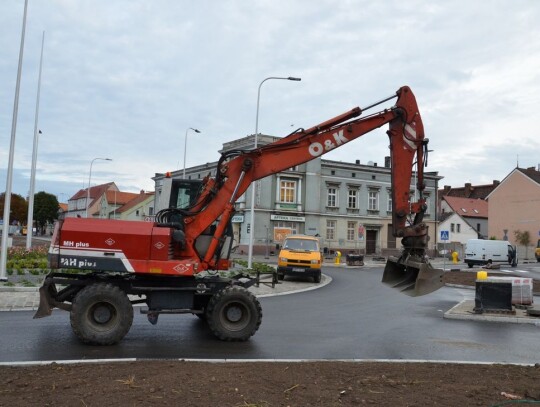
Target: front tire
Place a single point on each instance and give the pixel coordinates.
(234, 314)
(101, 314)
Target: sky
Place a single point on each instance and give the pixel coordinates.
(126, 79)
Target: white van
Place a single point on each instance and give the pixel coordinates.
(481, 252)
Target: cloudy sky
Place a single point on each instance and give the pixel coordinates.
(125, 79)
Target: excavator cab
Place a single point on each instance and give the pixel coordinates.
(412, 276)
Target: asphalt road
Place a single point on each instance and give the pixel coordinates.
(354, 317)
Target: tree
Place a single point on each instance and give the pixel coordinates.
(524, 239)
(19, 208)
(45, 209)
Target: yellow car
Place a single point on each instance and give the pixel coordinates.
(300, 256)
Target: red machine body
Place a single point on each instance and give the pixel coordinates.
(118, 246)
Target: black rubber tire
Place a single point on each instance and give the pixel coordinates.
(317, 278)
(470, 265)
(101, 301)
(234, 314)
(281, 276)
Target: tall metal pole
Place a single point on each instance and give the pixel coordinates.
(30, 223)
(252, 211)
(185, 149)
(9, 179)
(89, 180)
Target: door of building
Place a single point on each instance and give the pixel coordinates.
(371, 241)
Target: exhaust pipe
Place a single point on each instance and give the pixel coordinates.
(413, 278)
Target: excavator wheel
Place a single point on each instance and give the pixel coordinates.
(101, 314)
(234, 314)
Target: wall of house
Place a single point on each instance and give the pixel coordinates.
(515, 205)
(465, 232)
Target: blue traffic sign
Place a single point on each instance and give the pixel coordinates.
(445, 235)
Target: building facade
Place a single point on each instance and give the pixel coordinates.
(515, 205)
(347, 205)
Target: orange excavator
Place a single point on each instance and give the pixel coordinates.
(170, 264)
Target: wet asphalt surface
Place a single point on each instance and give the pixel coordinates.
(353, 317)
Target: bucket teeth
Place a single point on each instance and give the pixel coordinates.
(413, 278)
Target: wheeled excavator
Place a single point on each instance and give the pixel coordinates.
(102, 267)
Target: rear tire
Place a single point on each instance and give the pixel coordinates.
(234, 314)
(101, 314)
(317, 278)
(470, 265)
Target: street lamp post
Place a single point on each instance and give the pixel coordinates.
(252, 212)
(185, 149)
(30, 223)
(9, 178)
(90, 179)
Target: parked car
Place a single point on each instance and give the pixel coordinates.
(537, 251)
(481, 252)
(300, 255)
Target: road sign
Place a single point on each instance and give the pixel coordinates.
(445, 235)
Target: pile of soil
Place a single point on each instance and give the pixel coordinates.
(268, 384)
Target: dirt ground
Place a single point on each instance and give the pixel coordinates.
(258, 384)
(268, 384)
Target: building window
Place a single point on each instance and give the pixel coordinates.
(389, 207)
(137, 212)
(353, 199)
(293, 226)
(151, 211)
(351, 230)
(427, 206)
(458, 227)
(478, 227)
(287, 191)
(332, 200)
(330, 229)
(452, 227)
(373, 201)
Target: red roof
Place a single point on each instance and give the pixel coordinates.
(135, 201)
(468, 208)
(95, 192)
(119, 198)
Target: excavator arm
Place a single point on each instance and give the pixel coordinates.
(238, 169)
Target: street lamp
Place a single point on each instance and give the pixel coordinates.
(9, 178)
(185, 149)
(30, 222)
(252, 212)
(90, 179)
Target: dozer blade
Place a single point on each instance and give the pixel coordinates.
(411, 277)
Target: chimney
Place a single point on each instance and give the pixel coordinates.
(358, 162)
(374, 164)
(496, 182)
(387, 162)
(446, 189)
(468, 189)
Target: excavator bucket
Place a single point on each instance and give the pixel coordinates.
(411, 277)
